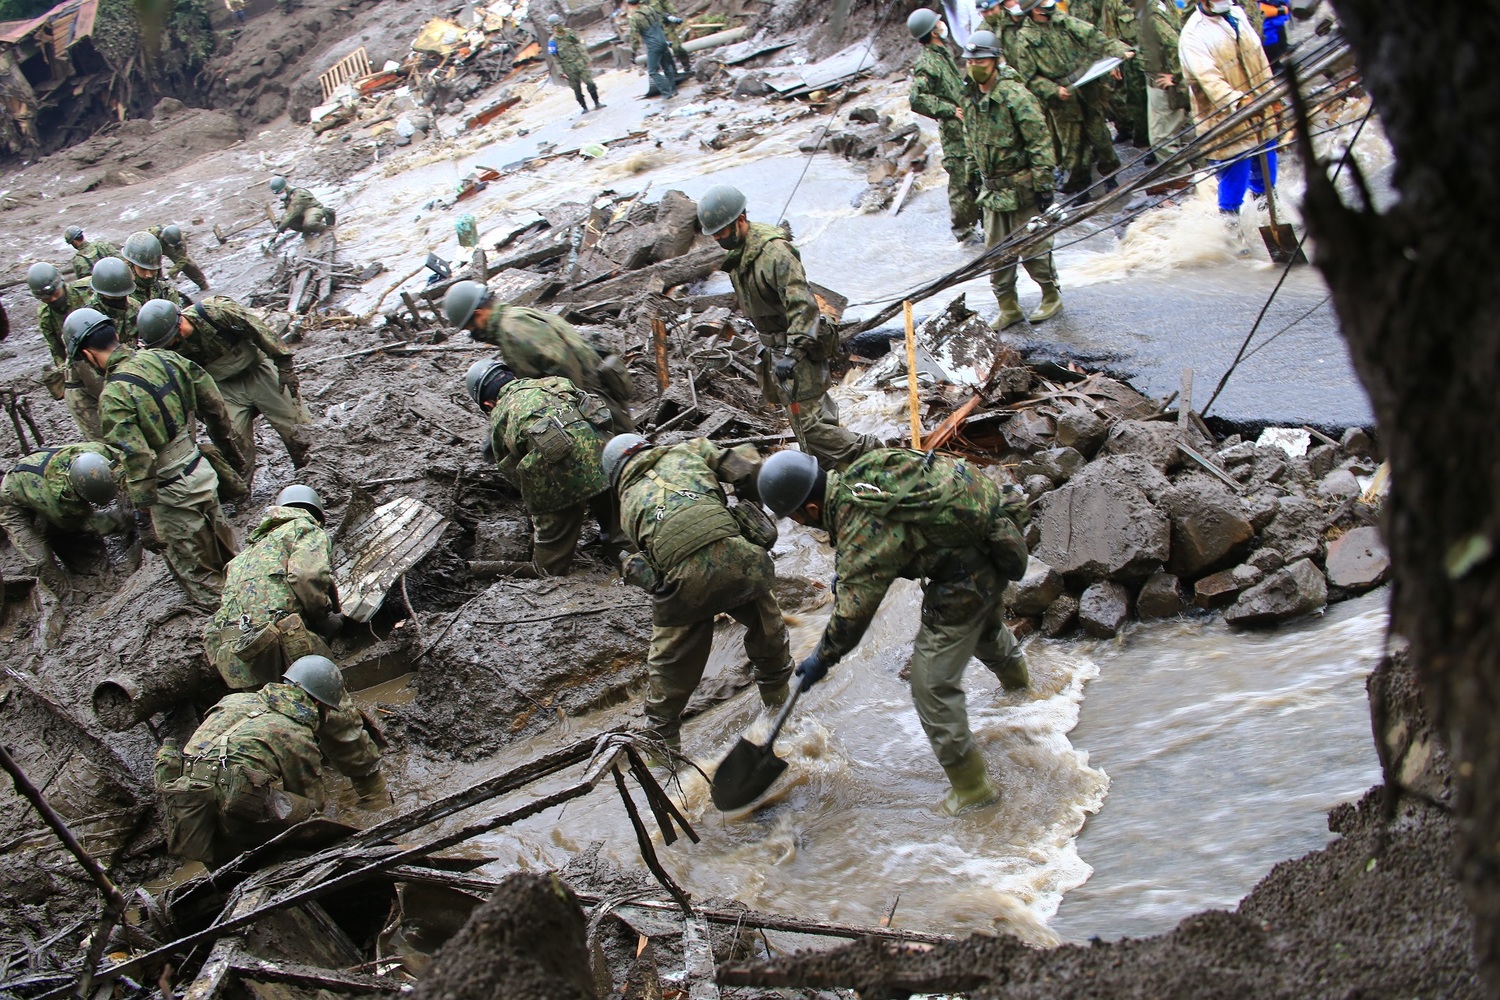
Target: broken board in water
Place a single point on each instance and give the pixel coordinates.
(373, 550)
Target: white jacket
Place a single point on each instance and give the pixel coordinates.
(1220, 69)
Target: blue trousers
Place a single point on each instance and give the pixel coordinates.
(1236, 175)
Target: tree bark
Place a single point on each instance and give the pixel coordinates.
(1419, 304)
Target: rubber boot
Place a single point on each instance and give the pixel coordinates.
(1010, 312)
(581, 102)
(971, 784)
(1013, 673)
(594, 93)
(775, 697)
(1050, 305)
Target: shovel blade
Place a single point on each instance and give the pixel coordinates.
(1281, 244)
(744, 774)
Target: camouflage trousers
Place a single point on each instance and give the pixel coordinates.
(961, 619)
(1081, 137)
(679, 654)
(962, 211)
(246, 666)
(29, 536)
(1038, 263)
(189, 267)
(258, 390)
(85, 411)
(190, 524)
(313, 220)
(814, 416)
(554, 534)
(1127, 103)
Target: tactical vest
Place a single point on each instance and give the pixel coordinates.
(180, 455)
(38, 469)
(687, 520)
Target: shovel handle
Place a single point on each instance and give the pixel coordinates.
(786, 710)
(1265, 176)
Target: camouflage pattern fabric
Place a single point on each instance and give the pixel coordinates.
(49, 318)
(937, 88)
(302, 213)
(1048, 54)
(537, 344)
(666, 8)
(1127, 105)
(646, 24)
(182, 262)
(81, 380)
(572, 57)
(91, 253)
(33, 504)
(122, 311)
(155, 287)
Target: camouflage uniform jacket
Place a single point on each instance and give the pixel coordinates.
(537, 344)
(296, 204)
(1159, 41)
(672, 505)
(1009, 144)
(767, 275)
(889, 515)
(1118, 19)
(549, 427)
(49, 319)
(1009, 33)
(571, 55)
(155, 287)
(287, 567)
(645, 22)
(276, 731)
(227, 339)
(122, 311)
(937, 88)
(176, 254)
(91, 253)
(1051, 53)
(666, 8)
(139, 423)
(39, 483)
(1083, 10)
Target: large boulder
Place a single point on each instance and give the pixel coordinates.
(1103, 608)
(1295, 589)
(1208, 525)
(1057, 464)
(1081, 428)
(1357, 560)
(1103, 525)
(1296, 530)
(1160, 597)
(1154, 440)
(1060, 616)
(1036, 590)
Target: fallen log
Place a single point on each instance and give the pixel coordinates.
(691, 266)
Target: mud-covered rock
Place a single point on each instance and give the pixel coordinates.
(1413, 754)
(1208, 525)
(1160, 597)
(1081, 428)
(1296, 589)
(1103, 608)
(1154, 440)
(1339, 484)
(1036, 590)
(1357, 560)
(1296, 529)
(1035, 486)
(1058, 464)
(1321, 460)
(1216, 589)
(1356, 442)
(1103, 524)
(1266, 559)
(1060, 616)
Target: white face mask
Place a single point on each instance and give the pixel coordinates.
(1220, 6)
(941, 30)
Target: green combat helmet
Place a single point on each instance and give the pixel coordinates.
(554, 20)
(484, 379)
(112, 278)
(80, 325)
(720, 206)
(172, 236)
(73, 234)
(143, 250)
(620, 448)
(319, 677)
(462, 301)
(982, 45)
(44, 280)
(156, 325)
(786, 480)
(278, 184)
(93, 478)
(921, 22)
(303, 497)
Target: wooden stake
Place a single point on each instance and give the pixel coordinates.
(1185, 403)
(659, 336)
(912, 401)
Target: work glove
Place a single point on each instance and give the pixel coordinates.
(636, 571)
(1043, 200)
(812, 670)
(231, 450)
(331, 625)
(145, 531)
(673, 19)
(784, 367)
(372, 791)
(287, 377)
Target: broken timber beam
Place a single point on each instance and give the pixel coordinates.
(691, 266)
(263, 970)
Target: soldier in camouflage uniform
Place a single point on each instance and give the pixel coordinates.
(40, 496)
(1127, 105)
(255, 766)
(1010, 153)
(147, 410)
(301, 212)
(249, 363)
(573, 59)
(535, 343)
(697, 561)
(143, 253)
(897, 514)
(551, 432)
(797, 344)
(279, 596)
(647, 24)
(174, 245)
(1166, 93)
(671, 22)
(78, 383)
(1054, 47)
(87, 253)
(112, 292)
(937, 92)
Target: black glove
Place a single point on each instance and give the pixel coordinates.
(785, 365)
(1043, 200)
(145, 531)
(812, 670)
(331, 625)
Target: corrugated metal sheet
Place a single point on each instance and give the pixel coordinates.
(70, 22)
(371, 553)
(13, 32)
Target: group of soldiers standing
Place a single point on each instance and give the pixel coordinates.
(654, 23)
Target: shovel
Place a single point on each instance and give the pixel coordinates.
(1281, 242)
(749, 769)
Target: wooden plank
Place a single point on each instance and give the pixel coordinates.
(1185, 404)
(913, 400)
(659, 338)
(265, 971)
(900, 199)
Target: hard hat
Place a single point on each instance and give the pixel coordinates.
(304, 497)
(156, 325)
(484, 378)
(986, 4)
(143, 250)
(462, 301)
(982, 45)
(554, 19)
(112, 278)
(93, 478)
(72, 234)
(1045, 6)
(720, 206)
(921, 22)
(171, 236)
(278, 184)
(318, 676)
(44, 280)
(80, 324)
(785, 481)
(616, 451)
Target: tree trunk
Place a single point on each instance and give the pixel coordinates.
(1419, 303)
